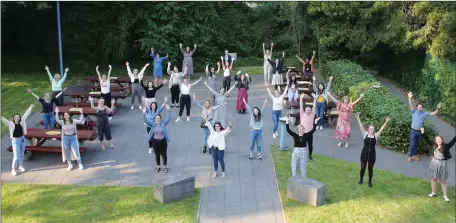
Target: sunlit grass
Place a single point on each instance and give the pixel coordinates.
(71, 203)
(393, 198)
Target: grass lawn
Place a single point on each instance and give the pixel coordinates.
(71, 203)
(393, 198)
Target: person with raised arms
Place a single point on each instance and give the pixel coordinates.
(220, 114)
(103, 128)
(277, 106)
(256, 128)
(213, 79)
(207, 115)
(48, 104)
(185, 99)
(188, 61)
(227, 67)
(321, 95)
(277, 67)
(307, 117)
(267, 69)
(159, 138)
(135, 77)
(175, 77)
(158, 68)
(242, 84)
(152, 111)
(105, 85)
(57, 84)
(217, 144)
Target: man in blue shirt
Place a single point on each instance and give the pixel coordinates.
(418, 116)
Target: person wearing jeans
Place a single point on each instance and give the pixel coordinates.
(321, 95)
(57, 84)
(207, 116)
(256, 127)
(135, 77)
(17, 129)
(48, 104)
(217, 144)
(418, 116)
(277, 106)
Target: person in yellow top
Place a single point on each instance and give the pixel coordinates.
(321, 96)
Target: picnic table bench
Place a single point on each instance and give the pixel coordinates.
(82, 95)
(83, 104)
(93, 87)
(89, 124)
(331, 112)
(121, 81)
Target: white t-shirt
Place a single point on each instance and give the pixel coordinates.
(185, 89)
(226, 72)
(105, 86)
(277, 103)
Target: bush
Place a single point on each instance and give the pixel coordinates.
(378, 103)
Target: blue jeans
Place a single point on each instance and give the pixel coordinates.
(256, 136)
(217, 156)
(275, 119)
(48, 120)
(415, 137)
(70, 144)
(18, 151)
(320, 110)
(206, 133)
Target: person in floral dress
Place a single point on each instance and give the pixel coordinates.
(345, 109)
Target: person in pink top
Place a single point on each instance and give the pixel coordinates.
(345, 109)
(307, 118)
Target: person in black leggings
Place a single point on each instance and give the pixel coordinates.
(368, 154)
(159, 138)
(185, 99)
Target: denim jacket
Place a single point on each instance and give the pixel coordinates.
(163, 124)
(151, 115)
(325, 92)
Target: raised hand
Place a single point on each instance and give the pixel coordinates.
(221, 57)
(265, 101)
(361, 95)
(97, 67)
(126, 63)
(388, 119)
(164, 81)
(67, 69)
(410, 94)
(283, 54)
(110, 67)
(167, 55)
(180, 44)
(313, 51)
(46, 68)
(207, 63)
(238, 72)
(147, 64)
(205, 83)
(218, 63)
(167, 106)
(314, 78)
(56, 109)
(32, 105)
(422, 130)
(29, 91)
(272, 44)
(302, 95)
(152, 49)
(439, 105)
(194, 45)
(90, 98)
(330, 78)
(246, 74)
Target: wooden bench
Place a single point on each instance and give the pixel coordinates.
(45, 149)
(91, 125)
(82, 104)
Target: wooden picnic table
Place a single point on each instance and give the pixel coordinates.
(76, 110)
(121, 81)
(83, 94)
(93, 87)
(331, 112)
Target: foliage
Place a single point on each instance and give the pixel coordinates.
(378, 103)
(348, 202)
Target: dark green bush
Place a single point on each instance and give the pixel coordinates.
(378, 103)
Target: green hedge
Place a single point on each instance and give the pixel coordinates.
(378, 103)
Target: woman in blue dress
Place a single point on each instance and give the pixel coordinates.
(158, 68)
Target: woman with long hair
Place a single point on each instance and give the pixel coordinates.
(159, 138)
(48, 104)
(175, 77)
(207, 115)
(220, 114)
(158, 68)
(70, 143)
(150, 90)
(242, 84)
(135, 77)
(291, 79)
(103, 128)
(368, 154)
(321, 95)
(438, 169)
(277, 106)
(256, 128)
(227, 67)
(185, 99)
(308, 65)
(345, 108)
(267, 69)
(277, 67)
(105, 85)
(152, 111)
(188, 61)
(293, 94)
(57, 84)
(217, 144)
(212, 78)
(18, 129)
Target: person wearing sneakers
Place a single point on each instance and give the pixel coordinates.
(207, 116)
(135, 86)
(277, 106)
(18, 129)
(185, 99)
(307, 117)
(439, 168)
(160, 138)
(213, 80)
(152, 111)
(217, 144)
(70, 143)
(150, 90)
(105, 85)
(321, 95)
(418, 116)
(368, 154)
(175, 77)
(103, 128)
(256, 127)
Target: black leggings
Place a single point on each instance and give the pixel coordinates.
(309, 141)
(58, 101)
(185, 101)
(175, 94)
(160, 149)
(227, 83)
(150, 141)
(107, 98)
(370, 167)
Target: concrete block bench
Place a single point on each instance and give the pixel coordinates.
(306, 191)
(174, 188)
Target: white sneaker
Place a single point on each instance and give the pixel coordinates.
(431, 195)
(70, 167)
(274, 135)
(21, 168)
(188, 119)
(215, 175)
(446, 198)
(150, 150)
(178, 119)
(346, 144)
(110, 118)
(132, 107)
(81, 167)
(339, 144)
(13, 172)
(223, 175)
(140, 107)
(321, 128)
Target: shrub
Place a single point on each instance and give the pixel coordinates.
(378, 103)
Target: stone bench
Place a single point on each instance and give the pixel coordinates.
(306, 191)
(174, 187)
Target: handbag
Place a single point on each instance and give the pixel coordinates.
(203, 124)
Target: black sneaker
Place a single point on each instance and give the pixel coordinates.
(360, 182)
(370, 185)
(205, 149)
(157, 169)
(310, 158)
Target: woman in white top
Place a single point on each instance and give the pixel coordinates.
(227, 74)
(277, 106)
(185, 98)
(266, 65)
(70, 141)
(18, 129)
(105, 85)
(217, 144)
(207, 115)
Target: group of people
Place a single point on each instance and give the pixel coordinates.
(214, 115)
